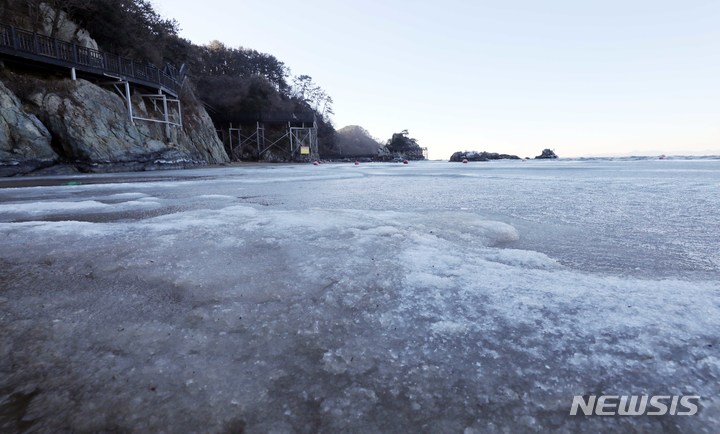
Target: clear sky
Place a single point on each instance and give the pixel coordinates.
(584, 77)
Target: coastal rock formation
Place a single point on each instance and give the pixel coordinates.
(481, 156)
(546, 153)
(88, 126)
(57, 24)
(85, 125)
(401, 147)
(89, 123)
(25, 143)
(198, 137)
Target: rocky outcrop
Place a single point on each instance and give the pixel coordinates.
(198, 137)
(57, 24)
(25, 143)
(88, 126)
(89, 123)
(85, 126)
(546, 153)
(481, 156)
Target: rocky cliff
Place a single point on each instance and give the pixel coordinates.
(25, 143)
(50, 121)
(57, 24)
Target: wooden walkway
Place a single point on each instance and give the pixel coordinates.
(18, 43)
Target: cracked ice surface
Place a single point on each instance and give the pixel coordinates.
(370, 299)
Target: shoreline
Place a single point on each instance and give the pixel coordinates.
(173, 173)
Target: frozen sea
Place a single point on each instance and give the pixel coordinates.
(431, 297)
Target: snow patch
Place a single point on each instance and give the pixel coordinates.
(449, 327)
(36, 209)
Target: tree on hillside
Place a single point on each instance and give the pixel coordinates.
(230, 99)
(216, 59)
(237, 83)
(131, 28)
(305, 90)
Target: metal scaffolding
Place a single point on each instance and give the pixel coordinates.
(287, 135)
(168, 109)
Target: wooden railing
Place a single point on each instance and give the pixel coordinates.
(23, 43)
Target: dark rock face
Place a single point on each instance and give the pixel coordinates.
(546, 153)
(481, 156)
(46, 121)
(80, 123)
(25, 143)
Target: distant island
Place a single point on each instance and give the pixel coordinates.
(462, 156)
(546, 153)
(481, 156)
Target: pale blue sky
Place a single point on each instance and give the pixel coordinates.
(515, 76)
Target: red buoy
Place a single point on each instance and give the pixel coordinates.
(357, 163)
(405, 161)
(465, 161)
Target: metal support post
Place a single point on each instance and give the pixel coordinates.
(129, 102)
(166, 114)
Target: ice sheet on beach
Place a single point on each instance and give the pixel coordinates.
(237, 311)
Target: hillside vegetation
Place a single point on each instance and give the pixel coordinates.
(354, 140)
(232, 82)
